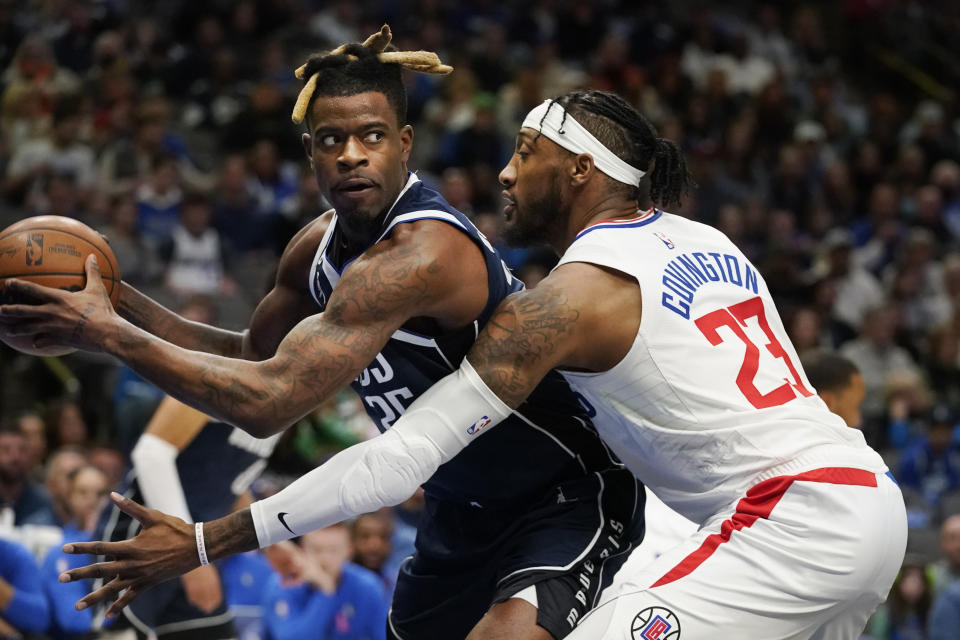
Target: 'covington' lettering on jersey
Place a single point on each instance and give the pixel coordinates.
(687, 272)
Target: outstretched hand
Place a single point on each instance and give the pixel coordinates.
(80, 319)
(164, 548)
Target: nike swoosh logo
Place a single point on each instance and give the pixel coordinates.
(285, 526)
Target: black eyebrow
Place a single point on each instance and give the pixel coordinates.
(374, 124)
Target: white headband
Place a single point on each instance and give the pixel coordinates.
(573, 137)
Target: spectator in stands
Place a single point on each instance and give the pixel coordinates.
(838, 382)
(371, 535)
(877, 356)
(857, 290)
(35, 430)
(136, 257)
(336, 600)
(62, 153)
(66, 424)
(111, 461)
(943, 363)
(128, 162)
(245, 577)
(904, 615)
(946, 571)
(34, 66)
(23, 608)
(931, 465)
(159, 199)
(274, 183)
(406, 519)
(908, 401)
(235, 207)
(29, 502)
(88, 489)
(945, 615)
(195, 257)
(60, 468)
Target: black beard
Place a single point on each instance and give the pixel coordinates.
(532, 224)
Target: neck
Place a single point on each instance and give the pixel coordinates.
(358, 234)
(62, 511)
(584, 214)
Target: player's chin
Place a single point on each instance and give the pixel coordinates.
(361, 202)
(519, 236)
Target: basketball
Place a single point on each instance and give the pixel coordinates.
(51, 251)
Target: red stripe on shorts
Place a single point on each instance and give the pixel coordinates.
(758, 503)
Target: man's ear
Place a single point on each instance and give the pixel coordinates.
(307, 141)
(581, 169)
(406, 142)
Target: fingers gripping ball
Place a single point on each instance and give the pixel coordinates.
(51, 251)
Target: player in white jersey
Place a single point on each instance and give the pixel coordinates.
(672, 339)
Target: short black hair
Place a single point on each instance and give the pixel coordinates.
(342, 76)
(628, 134)
(828, 371)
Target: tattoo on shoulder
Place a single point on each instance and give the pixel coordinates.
(379, 287)
(524, 332)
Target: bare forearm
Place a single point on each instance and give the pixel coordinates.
(260, 397)
(154, 318)
(229, 535)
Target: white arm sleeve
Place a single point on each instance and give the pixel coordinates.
(155, 461)
(387, 469)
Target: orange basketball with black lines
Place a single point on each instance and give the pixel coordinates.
(51, 251)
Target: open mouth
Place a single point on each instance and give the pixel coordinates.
(355, 187)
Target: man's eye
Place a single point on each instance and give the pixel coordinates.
(328, 140)
(374, 136)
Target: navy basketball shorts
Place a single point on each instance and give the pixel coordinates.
(566, 547)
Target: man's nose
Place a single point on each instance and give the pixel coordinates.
(507, 175)
(354, 154)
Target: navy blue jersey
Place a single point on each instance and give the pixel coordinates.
(218, 465)
(547, 440)
(214, 468)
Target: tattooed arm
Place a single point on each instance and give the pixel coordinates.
(425, 269)
(581, 317)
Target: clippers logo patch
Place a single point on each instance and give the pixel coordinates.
(34, 252)
(665, 240)
(478, 425)
(655, 623)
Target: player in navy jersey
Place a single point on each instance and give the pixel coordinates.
(387, 291)
(199, 469)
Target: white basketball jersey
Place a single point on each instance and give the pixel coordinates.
(711, 398)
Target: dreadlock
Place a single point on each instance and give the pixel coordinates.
(357, 68)
(624, 130)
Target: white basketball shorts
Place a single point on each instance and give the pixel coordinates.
(804, 556)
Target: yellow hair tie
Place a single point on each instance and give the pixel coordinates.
(419, 61)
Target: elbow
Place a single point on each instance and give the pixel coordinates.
(263, 426)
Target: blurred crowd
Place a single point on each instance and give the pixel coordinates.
(824, 138)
